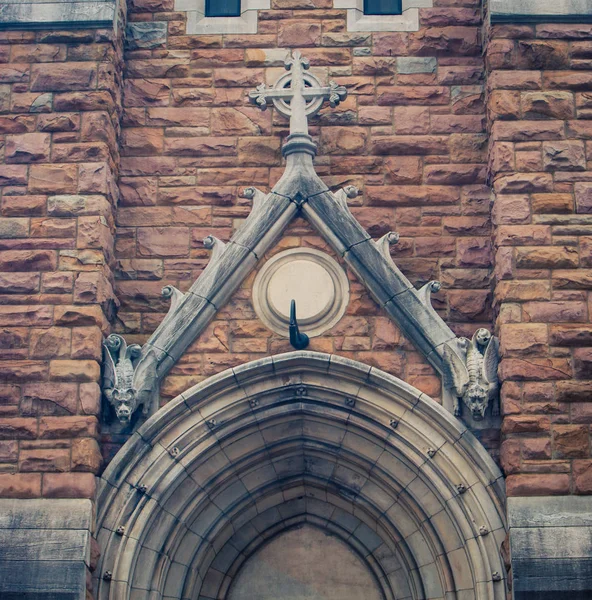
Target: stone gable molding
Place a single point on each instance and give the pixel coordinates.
(507, 11)
(358, 21)
(16, 14)
(132, 374)
(199, 24)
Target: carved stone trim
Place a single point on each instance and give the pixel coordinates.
(358, 21)
(277, 318)
(301, 192)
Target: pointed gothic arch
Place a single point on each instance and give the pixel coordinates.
(301, 438)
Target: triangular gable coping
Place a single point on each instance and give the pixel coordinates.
(132, 374)
(300, 192)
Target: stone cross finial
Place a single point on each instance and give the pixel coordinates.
(297, 95)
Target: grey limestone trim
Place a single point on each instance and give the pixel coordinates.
(199, 24)
(507, 11)
(187, 475)
(132, 374)
(15, 14)
(358, 21)
(551, 547)
(45, 548)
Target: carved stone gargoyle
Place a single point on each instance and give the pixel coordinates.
(121, 366)
(474, 379)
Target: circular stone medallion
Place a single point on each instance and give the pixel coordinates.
(313, 279)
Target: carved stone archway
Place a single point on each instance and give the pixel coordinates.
(301, 437)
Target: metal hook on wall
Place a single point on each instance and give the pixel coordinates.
(298, 340)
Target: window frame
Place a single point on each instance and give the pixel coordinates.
(397, 11)
(218, 14)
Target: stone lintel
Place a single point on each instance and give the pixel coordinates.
(79, 14)
(44, 548)
(551, 547)
(539, 11)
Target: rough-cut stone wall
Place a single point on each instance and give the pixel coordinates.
(540, 103)
(410, 135)
(59, 122)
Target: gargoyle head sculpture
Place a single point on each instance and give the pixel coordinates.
(473, 376)
(118, 376)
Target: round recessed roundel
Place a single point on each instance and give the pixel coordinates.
(313, 279)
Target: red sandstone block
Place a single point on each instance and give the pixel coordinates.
(571, 335)
(73, 153)
(142, 141)
(576, 279)
(412, 195)
(14, 315)
(45, 460)
(74, 370)
(547, 257)
(542, 54)
(526, 131)
(49, 343)
(555, 312)
(53, 228)
(469, 305)
(582, 476)
(83, 101)
(416, 95)
(431, 41)
(571, 441)
(535, 369)
(258, 151)
(146, 92)
(537, 485)
(552, 203)
(523, 183)
(23, 370)
(567, 80)
(86, 455)
(14, 73)
(18, 428)
(523, 339)
(163, 241)
(65, 427)
(583, 363)
(63, 77)
(19, 283)
(301, 33)
(69, 485)
(77, 316)
(13, 175)
(20, 485)
(536, 448)
(504, 104)
(510, 456)
(23, 206)
(198, 146)
(412, 145)
(344, 140)
(514, 80)
(17, 124)
(90, 398)
(49, 399)
(28, 260)
(52, 179)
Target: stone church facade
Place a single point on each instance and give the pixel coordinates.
(417, 424)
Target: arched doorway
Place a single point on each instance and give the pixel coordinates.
(291, 441)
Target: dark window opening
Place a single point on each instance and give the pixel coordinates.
(383, 7)
(223, 8)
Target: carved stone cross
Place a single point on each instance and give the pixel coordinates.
(297, 95)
